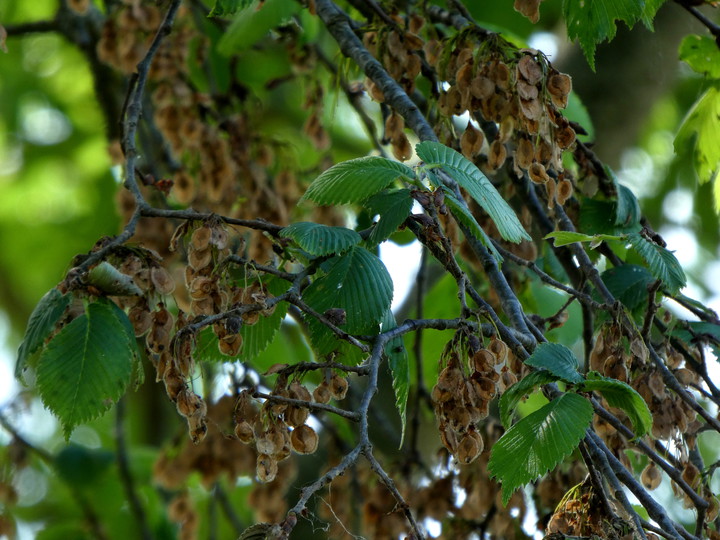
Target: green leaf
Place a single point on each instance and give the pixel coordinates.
(319, 239)
(86, 367)
(42, 321)
(132, 340)
(256, 337)
(253, 22)
(463, 215)
(629, 284)
(538, 442)
(627, 211)
(399, 368)
(661, 262)
(80, 466)
(698, 137)
(594, 21)
(394, 207)
(223, 8)
(701, 53)
(513, 395)
(356, 282)
(470, 178)
(355, 180)
(563, 238)
(558, 360)
(577, 112)
(623, 396)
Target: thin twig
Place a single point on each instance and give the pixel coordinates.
(311, 405)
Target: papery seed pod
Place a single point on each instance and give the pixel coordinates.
(458, 417)
(200, 239)
(483, 361)
(266, 444)
(250, 317)
(204, 306)
(529, 8)
(471, 141)
(244, 432)
(559, 86)
(164, 362)
(691, 475)
(551, 189)
(470, 447)
(197, 428)
(497, 155)
(500, 350)
(304, 439)
(266, 468)
(564, 191)
(338, 386)
(686, 377)
(295, 416)
(448, 437)
(158, 339)
(219, 238)
(161, 280)
(174, 383)
(140, 319)
(401, 148)
(201, 287)
(485, 388)
(321, 394)
(529, 70)
(564, 137)
(297, 391)
(231, 344)
(537, 173)
(507, 379)
(394, 125)
(141, 278)
(651, 476)
(482, 88)
(713, 507)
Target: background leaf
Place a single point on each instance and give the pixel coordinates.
(355, 180)
(538, 442)
(470, 178)
(629, 284)
(319, 239)
(253, 22)
(558, 360)
(398, 362)
(394, 207)
(705, 331)
(662, 263)
(42, 321)
(86, 367)
(621, 395)
(223, 8)
(513, 395)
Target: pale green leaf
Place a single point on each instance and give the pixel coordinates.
(223, 8)
(86, 367)
(108, 279)
(627, 211)
(319, 239)
(398, 362)
(463, 215)
(628, 283)
(513, 395)
(702, 54)
(538, 442)
(558, 360)
(356, 282)
(470, 178)
(594, 21)
(563, 238)
(42, 321)
(578, 113)
(623, 396)
(698, 137)
(355, 180)
(661, 262)
(253, 22)
(393, 207)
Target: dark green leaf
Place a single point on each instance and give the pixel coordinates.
(399, 368)
(629, 284)
(662, 263)
(627, 215)
(558, 360)
(80, 466)
(393, 207)
(355, 180)
(319, 239)
(86, 367)
(513, 395)
(253, 22)
(702, 54)
(356, 282)
(698, 331)
(42, 321)
(463, 215)
(623, 396)
(470, 178)
(538, 442)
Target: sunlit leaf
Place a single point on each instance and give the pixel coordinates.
(470, 178)
(398, 362)
(223, 8)
(538, 442)
(86, 367)
(701, 53)
(623, 396)
(253, 22)
(563, 238)
(661, 262)
(513, 395)
(558, 360)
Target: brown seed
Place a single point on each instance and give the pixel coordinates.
(471, 141)
(197, 428)
(529, 69)
(199, 259)
(651, 476)
(559, 86)
(338, 386)
(524, 154)
(266, 468)
(537, 173)
(244, 432)
(321, 394)
(161, 280)
(482, 88)
(497, 155)
(401, 147)
(304, 439)
(394, 125)
(564, 191)
(231, 344)
(500, 350)
(295, 416)
(200, 239)
(141, 319)
(470, 447)
(529, 8)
